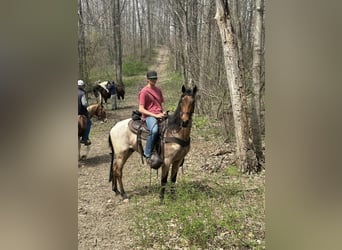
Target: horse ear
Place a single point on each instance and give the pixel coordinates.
(183, 89)
(194, 90)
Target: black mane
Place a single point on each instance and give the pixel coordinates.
(174, 119)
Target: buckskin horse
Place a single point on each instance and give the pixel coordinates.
(176, 144)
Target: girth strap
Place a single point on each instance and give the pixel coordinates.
(139, 144)
(178, 141)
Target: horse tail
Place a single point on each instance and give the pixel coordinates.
(112, 159)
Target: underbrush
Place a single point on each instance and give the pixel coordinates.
(131, 68)
(207, 214)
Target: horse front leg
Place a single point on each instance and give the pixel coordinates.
(165, 172)
(174, 172)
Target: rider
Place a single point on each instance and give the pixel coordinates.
(112, 90)
(82, 110)
(150, 105)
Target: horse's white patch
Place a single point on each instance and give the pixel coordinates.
(103, 85)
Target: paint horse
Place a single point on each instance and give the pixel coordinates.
(123, 143)
(101, 91)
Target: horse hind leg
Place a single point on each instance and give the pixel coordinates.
(119, 163)
(118, 179)
(112, 177)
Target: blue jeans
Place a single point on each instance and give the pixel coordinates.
(152, 125)
(85, 135)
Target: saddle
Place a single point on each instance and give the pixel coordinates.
(139, 127)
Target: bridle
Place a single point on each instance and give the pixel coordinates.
(186, 123)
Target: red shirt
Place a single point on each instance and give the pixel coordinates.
(151, 99)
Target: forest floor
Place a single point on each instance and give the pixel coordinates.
(105, 221)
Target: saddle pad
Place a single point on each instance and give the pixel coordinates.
(134, 126)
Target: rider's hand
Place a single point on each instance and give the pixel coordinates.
(160, 115)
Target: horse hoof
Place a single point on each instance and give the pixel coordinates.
(116, 191)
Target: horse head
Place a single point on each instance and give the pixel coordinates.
(186, 107)
(101, 113)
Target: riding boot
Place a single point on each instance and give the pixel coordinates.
(156, 161)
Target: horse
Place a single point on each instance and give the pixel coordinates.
(120, 91)
(97, 110)
(176, 144)
(101, 93)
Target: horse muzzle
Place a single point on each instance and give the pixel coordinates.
(185, 124)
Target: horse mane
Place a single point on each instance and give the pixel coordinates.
(174, 120)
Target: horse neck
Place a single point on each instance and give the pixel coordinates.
(181, 132)
(92, 110)
(184, 133)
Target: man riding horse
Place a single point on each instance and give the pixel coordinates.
(150, 105)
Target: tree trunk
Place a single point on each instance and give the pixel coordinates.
(245, 152)
(149, 30)
(117, 41)
(256, 72)
(82, 64)
(140, 30)
(202, 102)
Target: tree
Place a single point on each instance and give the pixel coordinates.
(256, 72)
(117, 41)
(82, 57)
(236, 85)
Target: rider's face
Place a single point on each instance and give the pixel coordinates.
(152, 81)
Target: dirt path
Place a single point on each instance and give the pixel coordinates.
(103, 218)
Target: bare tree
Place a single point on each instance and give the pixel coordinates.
(149, 29)
(117, 41)
(82, 57)
(257, 71)
(235, 76)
